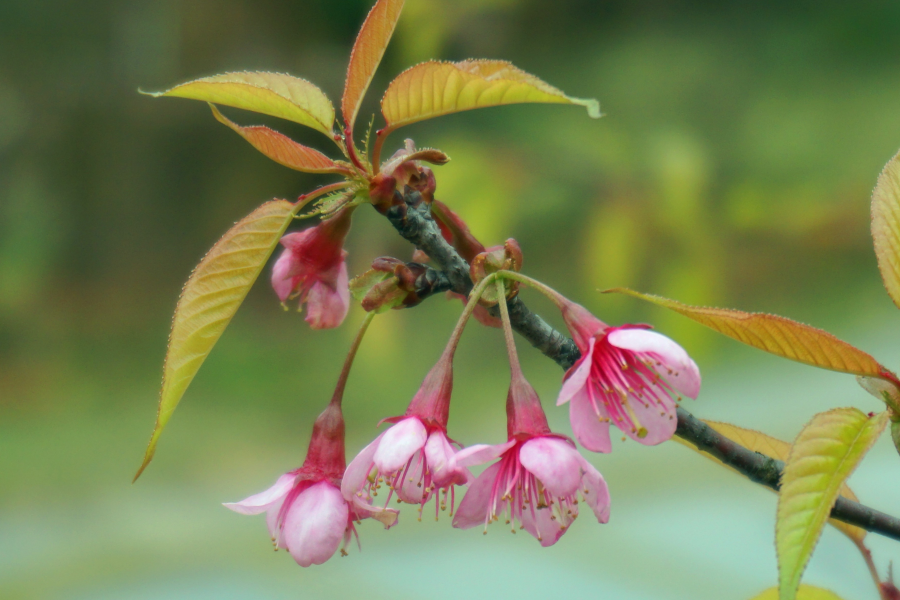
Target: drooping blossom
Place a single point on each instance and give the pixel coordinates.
(312, 269)
(305, 511)
(628, 376)
(537, 481)
(414, 458)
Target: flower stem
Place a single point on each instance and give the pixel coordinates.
(514, 367)
(558, 299)
(474, 297)
(867, 556)
(338, 395)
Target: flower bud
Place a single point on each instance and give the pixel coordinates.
(497, 258)
(390, 283)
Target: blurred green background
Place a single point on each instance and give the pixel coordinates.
(733, 168)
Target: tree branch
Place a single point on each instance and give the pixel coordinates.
(413, 221)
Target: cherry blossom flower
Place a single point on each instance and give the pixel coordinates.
(537, 481)
(305, 510)
(629, 376)
(414, 458)
(312, 268)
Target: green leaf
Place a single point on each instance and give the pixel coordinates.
(433, 88)
(886, 226)
(767, 445)
(777, 335)
(368, 49)
(806, 592)
(210, 298)
(274, 94)
(824, 454)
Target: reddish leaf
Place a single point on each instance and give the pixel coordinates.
(281, 148)
(777, 335)
(367, 51)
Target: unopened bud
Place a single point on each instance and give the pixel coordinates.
(507, 257)
(383, 192)
(390, 283)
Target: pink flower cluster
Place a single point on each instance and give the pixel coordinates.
(627, 376)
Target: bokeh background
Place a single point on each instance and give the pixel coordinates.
(733, 168)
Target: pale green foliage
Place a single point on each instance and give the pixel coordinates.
(275, 94)
(886, 226)
(806, 592)
(825, 453)
(757, 441)
(434, 88)
(211, 297)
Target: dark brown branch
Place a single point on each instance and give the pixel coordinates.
(413, 221)
(766, 471)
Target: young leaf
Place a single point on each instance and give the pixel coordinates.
(272, 94)
(367, 52)
(774, 448)
(281, 148)
(777, 335)
(806, 592)
(824, 454)
(886, 226)
(433, 88)
(211, 296)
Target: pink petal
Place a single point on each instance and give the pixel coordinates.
(442, 461)
(412, 489)
(327, 306)
(315, 523)
(260, 502)
(577, 380)
(554, 462)
(473, 510)
(542, 526)
(481, 453)
(589, 430)
(659, 420)
(595, 491)
(282, 280)
(685, 377)
(399, 443)
(358, 470)
(272, 524)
